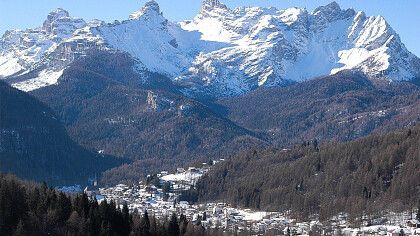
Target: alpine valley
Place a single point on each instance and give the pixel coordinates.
(245, 121)
(160, 94)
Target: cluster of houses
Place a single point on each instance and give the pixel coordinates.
(153, 199)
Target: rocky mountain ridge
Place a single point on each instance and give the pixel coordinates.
(221, 52)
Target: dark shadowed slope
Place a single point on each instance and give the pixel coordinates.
(35, 145)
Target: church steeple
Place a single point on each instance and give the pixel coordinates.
(95, 182)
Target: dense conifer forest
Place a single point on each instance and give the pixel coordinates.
(340, 107)
(370, 175)
(29, 208)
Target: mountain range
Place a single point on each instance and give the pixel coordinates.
(221, 52)
(164, 93)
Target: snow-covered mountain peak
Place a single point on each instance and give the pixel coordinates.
(330, 9)
(21, 50)
(360, 16)
(213, 9)
(58, 13)
(151, 7)
(60, 23)
(221, 51)
(95, 23)
(331, 12)
(209, 5)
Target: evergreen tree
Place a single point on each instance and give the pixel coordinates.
(418, 211)
(153, 227)
(173, 227)
(63, 207)
(20, 230)
(144, 227)
(105, 229)
(183, 224)
(198, 223)
(126, 219)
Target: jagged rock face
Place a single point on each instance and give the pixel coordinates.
(220, 52)
(61, 24)
(151, 7)
(211, 4)
(270, 47)
(25, 51)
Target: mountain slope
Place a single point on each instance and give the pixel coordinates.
(102, 111)
(35, 145)
(367, 176)
(221, 52)
(341, 107)
(271, 47)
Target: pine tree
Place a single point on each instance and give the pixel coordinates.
(173, 227)
(153, 227)
(63, 207)
(126, 219)
(183, 224)
(105, 229)
(20, 230)
(145, 224)
(418, 211)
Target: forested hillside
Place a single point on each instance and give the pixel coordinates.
(35, 145)
(28, 208)
(340, 107)
(106, 109)
(371, 174)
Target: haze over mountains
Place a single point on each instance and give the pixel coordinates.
(164, 93)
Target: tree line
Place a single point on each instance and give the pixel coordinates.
(29, 208)
(368, 176)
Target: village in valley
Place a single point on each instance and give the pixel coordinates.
(159, 196)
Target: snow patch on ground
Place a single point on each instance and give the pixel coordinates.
(186, 176)
(248, 215)
(45, 78)
(9, 66)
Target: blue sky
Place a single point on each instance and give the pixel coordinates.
(402, 15)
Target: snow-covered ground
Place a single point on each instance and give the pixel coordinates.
(45, 78)
(186, 176)
(253, 216)
(223, 216)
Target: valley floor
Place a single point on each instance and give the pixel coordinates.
(161, 203)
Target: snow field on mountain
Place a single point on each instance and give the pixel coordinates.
(45, 78)
(221, 51)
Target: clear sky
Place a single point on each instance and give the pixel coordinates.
(402, 15)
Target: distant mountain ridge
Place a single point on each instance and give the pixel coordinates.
(340, 107)
(221, 52)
